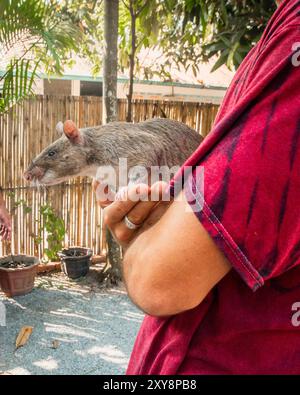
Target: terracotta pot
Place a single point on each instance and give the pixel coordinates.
(18, 281)
(75, 261)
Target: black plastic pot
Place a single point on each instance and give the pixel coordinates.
(75, 261)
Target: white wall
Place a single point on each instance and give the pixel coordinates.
(167, 92)
(75, 88)
(155, 92)
(39, 87)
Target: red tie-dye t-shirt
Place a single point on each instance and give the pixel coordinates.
(250, 322)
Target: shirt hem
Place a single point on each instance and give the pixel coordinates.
(222, 237)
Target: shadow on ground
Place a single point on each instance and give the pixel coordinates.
(94, 330)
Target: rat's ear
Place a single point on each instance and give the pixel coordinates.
(60, 128)
(72, 132)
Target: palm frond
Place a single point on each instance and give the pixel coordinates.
(17, 84)
(32, 34)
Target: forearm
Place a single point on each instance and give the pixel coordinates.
(172, 266)
(149, 281)
(170, 263)
(158, 271)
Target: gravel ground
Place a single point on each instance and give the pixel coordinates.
(93, 329)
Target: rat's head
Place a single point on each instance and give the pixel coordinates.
(61, 160)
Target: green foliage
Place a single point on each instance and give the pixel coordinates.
(88, 15)
(187, 32)
(55, 230)
(227, 29)
(35, 35)
(147, 28)
(19, 203)
(190, 32)
(49, 223)
(17, 83)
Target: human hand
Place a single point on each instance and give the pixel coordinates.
(143, 206)
(5, 223)
(104, 197)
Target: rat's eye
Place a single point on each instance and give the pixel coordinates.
(51, 153)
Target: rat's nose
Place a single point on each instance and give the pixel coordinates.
(33, 172)
(27, 176)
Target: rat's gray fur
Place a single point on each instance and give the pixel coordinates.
(156, 142)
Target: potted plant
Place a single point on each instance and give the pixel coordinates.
(18, 270)
(75, 261)
(52, 229)
(17, 274)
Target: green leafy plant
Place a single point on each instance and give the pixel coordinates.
(40, 35)
(55, 230)
(49, 223)
(186, 33)
(35, 36)
(224, 29)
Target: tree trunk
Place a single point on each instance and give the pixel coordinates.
(110, 61)
(110, 114)
(131, 61)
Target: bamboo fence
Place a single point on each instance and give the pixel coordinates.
(30, 127)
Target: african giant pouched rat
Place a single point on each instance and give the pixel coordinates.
(156, 142)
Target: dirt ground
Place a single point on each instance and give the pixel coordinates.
(79, 327)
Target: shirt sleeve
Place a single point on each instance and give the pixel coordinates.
(249, 199)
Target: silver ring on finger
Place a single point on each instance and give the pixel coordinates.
(130, 225)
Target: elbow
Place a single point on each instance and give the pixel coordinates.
(160, 302)
(156, 288)
(152, 303)
(143, 290)
(159, 298)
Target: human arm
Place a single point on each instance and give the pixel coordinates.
(170, 263)
(5, 220)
